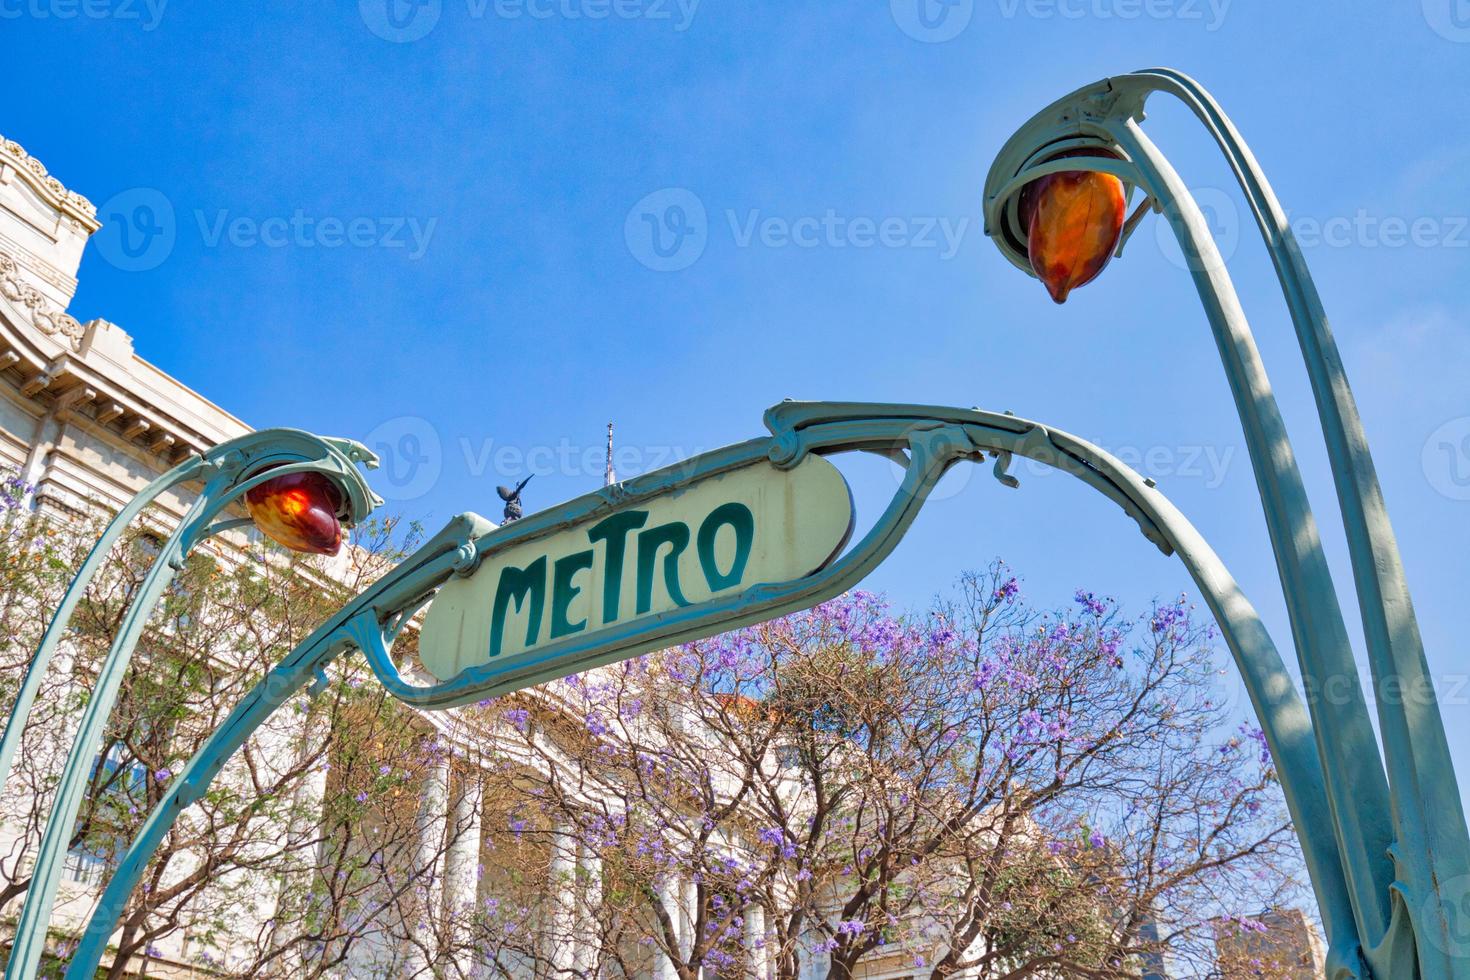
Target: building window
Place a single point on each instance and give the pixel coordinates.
(118, 783)
(85, 864)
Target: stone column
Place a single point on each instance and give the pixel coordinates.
(305, 822)
(431, 826)
(563, 885)
(755, 941)
(589, 901)
(670, 892)
(462, 864)
(690, 906)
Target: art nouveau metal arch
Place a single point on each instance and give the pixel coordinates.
(1397, 828)
(1397, 817)
(927, 440)
(228, 471)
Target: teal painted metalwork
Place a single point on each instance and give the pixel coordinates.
(41, 660)
(927, 440)
(229, 470)
(1398, 833)
(1399, 829)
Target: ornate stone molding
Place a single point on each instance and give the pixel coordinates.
(43, 316)
(47, 185)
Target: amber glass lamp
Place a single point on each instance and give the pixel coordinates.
(1073, 222)
(298, 511)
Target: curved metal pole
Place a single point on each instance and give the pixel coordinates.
(1107, 113)
(1283, 718)
(399, 590)
(1357, 787)
(25, 698)
(936, 438)
(1432, 846)
(40, 897)
(234, 468)
(299, 667)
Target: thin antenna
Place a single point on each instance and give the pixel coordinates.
(609, 476)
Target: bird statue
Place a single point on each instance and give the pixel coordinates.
(512, 500)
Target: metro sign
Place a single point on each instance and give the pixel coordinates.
(696, 543)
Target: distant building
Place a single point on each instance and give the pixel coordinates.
(1155, 965)
(1277, 944)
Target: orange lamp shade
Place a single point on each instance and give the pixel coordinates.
(298, 511)
(1073, 222)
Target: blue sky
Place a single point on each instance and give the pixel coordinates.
(427, 232)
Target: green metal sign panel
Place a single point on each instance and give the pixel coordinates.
(754, 525)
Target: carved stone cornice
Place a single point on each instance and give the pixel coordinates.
(89, 371)
(43, 315)
(48, 187)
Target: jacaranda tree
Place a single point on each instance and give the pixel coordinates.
(986, 788)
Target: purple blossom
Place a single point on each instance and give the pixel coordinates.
(1091, 603)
